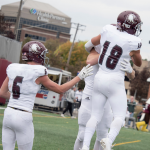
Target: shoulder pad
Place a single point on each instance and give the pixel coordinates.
(135, 43)
(41, 71)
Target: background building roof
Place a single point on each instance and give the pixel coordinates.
(44, 7)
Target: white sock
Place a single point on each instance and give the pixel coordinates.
(114, 129)
(89, 131)
(78, 144)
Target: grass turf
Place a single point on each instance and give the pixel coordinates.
(55, 133)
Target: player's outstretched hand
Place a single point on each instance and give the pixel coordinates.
(85, 72)
(126, 66)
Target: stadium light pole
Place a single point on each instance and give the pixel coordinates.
(71, 48)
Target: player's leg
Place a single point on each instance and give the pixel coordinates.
(8, 138)
(83, 117)
(24, 131)
(79, 140)
(66, 109)
(26, 146)
(98, 102)
(103, 126)
(146, 121)
(8, 134)
(118, 101)
(70, 108)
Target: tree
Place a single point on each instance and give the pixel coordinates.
(78, 56)
(26, 40)
(5, 27)
(54, 60)
(139, 84)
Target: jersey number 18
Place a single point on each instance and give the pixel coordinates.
(114, 56)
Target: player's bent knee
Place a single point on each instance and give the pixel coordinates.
(83, 116)
(118, 122)
(81, 135)
(81, 132)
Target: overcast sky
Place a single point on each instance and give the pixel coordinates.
(94, 14)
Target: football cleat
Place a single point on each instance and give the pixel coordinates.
(105, 144)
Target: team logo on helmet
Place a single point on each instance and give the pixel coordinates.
(131, 19)
(34, 48)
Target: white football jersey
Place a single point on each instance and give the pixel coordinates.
(89, 81)
(116, 47)
(22, 84)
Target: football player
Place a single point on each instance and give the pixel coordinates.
(144, 120)
(20, 87)
(86, 105)
(119, 43)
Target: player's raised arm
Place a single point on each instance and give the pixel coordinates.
(4, 92)
(86, 71)
(93, 42)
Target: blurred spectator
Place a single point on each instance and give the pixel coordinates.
(138, 109)
(139, 115)
(131, 106)
(70, 100)
(128, 118)
(78, 96)
(56, 81)
(51, 77)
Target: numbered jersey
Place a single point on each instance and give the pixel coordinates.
(22, 84)
(116, 47)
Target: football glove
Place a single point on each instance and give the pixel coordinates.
(126, 66)
(85, 72)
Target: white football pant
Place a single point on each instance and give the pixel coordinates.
(83, 117)
(17, 126)
(107, 87)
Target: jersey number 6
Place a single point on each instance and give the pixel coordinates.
(16, 88)
(114, 56)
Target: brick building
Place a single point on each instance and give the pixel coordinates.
(39, 21)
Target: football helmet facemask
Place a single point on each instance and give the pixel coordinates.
(130, 22)
(34, 51)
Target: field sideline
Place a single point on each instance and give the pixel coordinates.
(55, 133)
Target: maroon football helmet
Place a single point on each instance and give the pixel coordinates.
(130, 22)
(34, 51)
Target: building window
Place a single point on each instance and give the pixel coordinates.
(35, 37)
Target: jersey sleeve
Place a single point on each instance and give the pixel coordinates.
(10, 71)
(40, 71)
(135, 44)
(98, 48)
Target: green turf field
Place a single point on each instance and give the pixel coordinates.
(55, 133)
